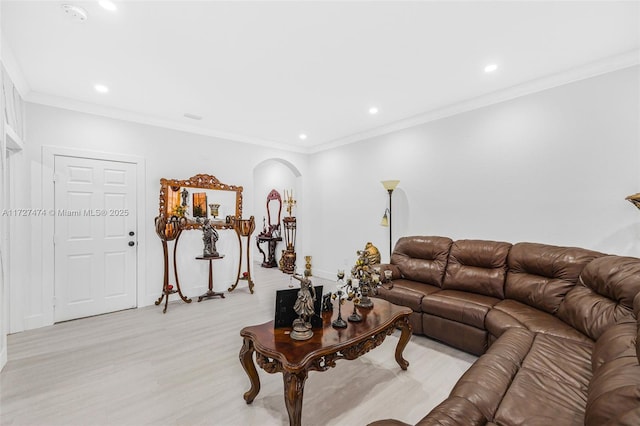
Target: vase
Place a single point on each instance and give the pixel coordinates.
(213, 208)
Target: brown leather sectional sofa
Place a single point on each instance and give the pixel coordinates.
(556, 329)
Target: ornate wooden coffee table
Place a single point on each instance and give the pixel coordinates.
(277, 352)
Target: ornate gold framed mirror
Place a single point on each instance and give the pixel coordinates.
(201, 196)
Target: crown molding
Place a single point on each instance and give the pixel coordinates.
(613, 63)
(125, 115)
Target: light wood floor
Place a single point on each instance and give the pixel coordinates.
(140, 367)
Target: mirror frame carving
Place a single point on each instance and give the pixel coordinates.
(201, 181)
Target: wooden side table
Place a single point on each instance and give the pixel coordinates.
(270, 261)
(210, 293)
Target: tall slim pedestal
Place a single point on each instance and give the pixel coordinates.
(244, 228)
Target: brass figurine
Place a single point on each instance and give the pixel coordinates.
(339, 322)
(209, 237)
(304, 308)
(372, 253)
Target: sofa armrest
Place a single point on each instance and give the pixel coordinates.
(388, 422)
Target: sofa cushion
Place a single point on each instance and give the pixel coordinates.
(462, 336)
(407, 293)
(422, 259)
(467, 308)
(530, 318)
(554, 374)
(541, 275)
(477, 266)
(497, 322)
(603, 296)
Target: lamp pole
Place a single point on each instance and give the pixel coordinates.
(390, 185)
(390, 222)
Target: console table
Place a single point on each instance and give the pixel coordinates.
(277, 352)
(210, 293)
(268, 262)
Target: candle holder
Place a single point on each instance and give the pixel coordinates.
(339, 322)
(355, 316)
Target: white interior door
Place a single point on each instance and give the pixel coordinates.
(95, 237)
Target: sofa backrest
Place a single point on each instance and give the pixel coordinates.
(540, 275)
(477, 266)
(422, 259)
(603, 296)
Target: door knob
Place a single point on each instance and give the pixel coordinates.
(131, 233)
(131, 244)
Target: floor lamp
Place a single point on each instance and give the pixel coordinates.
(389, 185)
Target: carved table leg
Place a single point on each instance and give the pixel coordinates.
(405, 326)
(234, 285)
(246, 359)
(293, 392)
(160, 298)
(264, 256)
(175, 271)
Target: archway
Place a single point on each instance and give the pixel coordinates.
(281, 175)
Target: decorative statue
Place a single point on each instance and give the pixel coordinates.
(372, 253)
(185, 196)
(327, 306)
(367, 274)
(209, 237)
(304, 308)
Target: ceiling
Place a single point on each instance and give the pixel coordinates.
(266, 71)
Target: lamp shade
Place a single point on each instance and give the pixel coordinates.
(390, 185)
(385, 220)
(634, 199)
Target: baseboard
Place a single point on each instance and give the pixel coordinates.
(34, 321)
(3, 357)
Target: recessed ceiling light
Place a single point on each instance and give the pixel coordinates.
(75, 12)
(302, 136)
(490, 68)
(101, 88)
(192, 116)
(373, 110)
(108, 5)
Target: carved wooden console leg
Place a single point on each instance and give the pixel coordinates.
(405, 326)
(244, 228)
(293, 393)
(175, 271)
(246, 359)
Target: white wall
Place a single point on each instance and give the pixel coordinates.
(551, 167)
(168, 154)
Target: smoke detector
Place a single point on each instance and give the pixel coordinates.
(76, 13)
